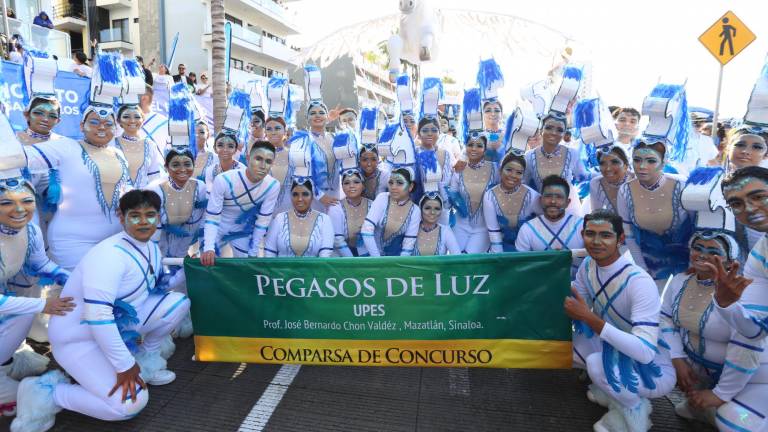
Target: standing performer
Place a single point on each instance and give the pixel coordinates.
(21, 245)
(145, 162)
(43, 112)
(434, 238)
(226, 144)
(111, 347)
(375, 174)
(658, 227)
(615, 308)
(507, 206)
(469, 185)
(614, 173)
(204, 157)
(280, 107)
(433, 162)
(557, 228)
(155, 127)
(348, 216)
(92, 175)
(328, 192)
(491, 80)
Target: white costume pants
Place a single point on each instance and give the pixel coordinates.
(626, 398)
(96, 376)
(470, 240)
(13, 331)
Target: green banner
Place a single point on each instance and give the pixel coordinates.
(494, 310)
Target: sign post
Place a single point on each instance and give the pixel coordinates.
(725, 39)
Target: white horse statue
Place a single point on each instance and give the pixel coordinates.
(415, 40)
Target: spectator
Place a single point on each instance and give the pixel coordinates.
(192, 81)
(163, 70)
(204, 88)
(182, 73)
(16, 54)
(11, 13)
(42, 20)
(148, 79)
(81, 65)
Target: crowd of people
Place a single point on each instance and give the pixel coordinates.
(659, 301)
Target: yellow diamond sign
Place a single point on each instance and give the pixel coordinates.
(727, 37)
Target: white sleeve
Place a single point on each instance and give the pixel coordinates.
(411, 232)
(670, 333)
(156, 168)
(372, 219)
(523, 241)
(10, 305)
(594, 201)
(270, 243)
(264, 217)
(492, 223)
(528, 173)
(451, 245)
(447, 180)
(748, 315)
(38, 260)
(213, 214)
(622, 202)
(326, 229)
(641, 343)
(340, 237)
(100, 283)
(44, 156)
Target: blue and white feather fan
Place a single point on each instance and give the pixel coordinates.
(568, 90)
(181, 116)
(490, 79)
(239, 104)
(668, 119)
(431, 93)
(757, 107)
(135, 86)
(107, 78)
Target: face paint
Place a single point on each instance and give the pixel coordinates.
(398, 186)
(259, 163)
(554, 200)
(511, 175)
(601, 240)
(431, 211)
(748, 199)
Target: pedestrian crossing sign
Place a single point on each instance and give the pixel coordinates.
(727, 37)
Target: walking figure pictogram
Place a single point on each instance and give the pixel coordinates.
(728, 33)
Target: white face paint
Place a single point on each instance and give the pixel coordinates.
(98, 131)
(431, 210)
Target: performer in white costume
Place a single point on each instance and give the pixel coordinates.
(204, 157)
(615, 308)
(21, 245)
(226, 145)
(348, 216)
(393, 220)
(614, 172)
(111, 346)
(301, 231)
(432, 161)
(490, 80)
(507, 206)
(376, 174)
(92, 174)
(742, 302)
(434, 238)
(145, 161)
(276, 131)
(657, 226)
(43, 112)
(155, 127)
(556, 228)
(469, 185)
(328, 191)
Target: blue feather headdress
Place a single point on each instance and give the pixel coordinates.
(567, 91)
(135, 85)
(278, 97)
(405, 96)
(595, 126)
(472, 114)
(181, 118)
(238, 107)
(40, 72)
(313, 86)
(668, 120)
(107, 84)
(489, 79)
(431, 93)
(520, 127)
(369, 126)
(345, 149)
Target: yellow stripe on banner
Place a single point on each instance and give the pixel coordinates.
(490, 353)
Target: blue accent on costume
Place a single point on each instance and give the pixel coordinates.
(702, 175)
(629, 370)
(388, 133)
(572, 72)
(472, 103)
(110, 68)
(488, 73)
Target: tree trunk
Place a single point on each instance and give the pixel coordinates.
(217, 73)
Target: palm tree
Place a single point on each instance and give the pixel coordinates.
(217, 54)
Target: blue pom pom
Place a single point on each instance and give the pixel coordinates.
(626, 373)
(609, 363)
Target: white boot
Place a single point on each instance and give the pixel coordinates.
(612, 421)
(638, 418)
(36, 410)
(153, 368)
(8, 389)
(596, 395)
(184, 329)
(167, 347)
(26, 363)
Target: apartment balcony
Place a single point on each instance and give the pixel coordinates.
(34, 37)
(260, 45)
(116, 40)
(277, 16)
(69, 17)
(113, 4)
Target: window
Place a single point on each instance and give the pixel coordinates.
(120, 30)
(237, 64)
(233, 20)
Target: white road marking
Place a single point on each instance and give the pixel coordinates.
(262, 411)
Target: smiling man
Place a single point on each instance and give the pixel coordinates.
(615, 306)
(556, 228)
(112, 347)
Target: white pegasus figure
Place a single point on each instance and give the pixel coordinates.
(415, 40)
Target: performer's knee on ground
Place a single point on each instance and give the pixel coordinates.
(595, 369)
(126, 410)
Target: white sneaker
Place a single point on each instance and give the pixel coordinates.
(36, 410)
(161, 377)
(612, 421)
(153, 368)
